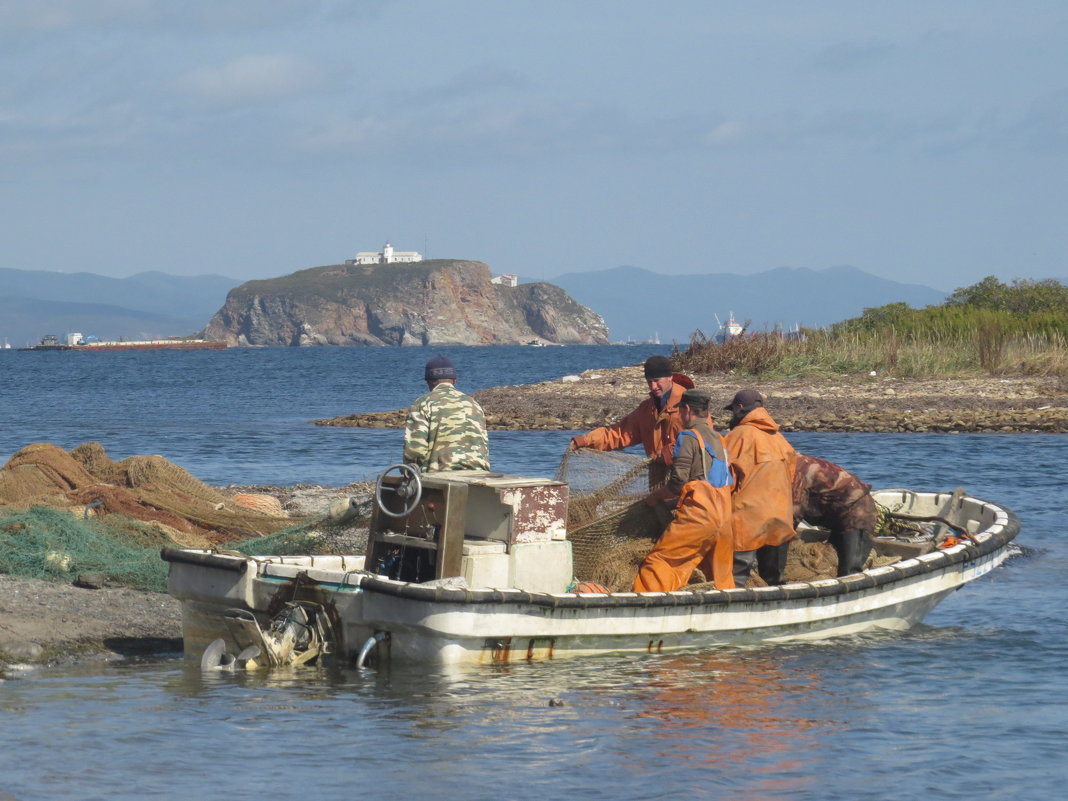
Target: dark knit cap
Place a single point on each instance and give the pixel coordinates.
(657, 367)
(696, 399)
(747, 399)
(438, 368)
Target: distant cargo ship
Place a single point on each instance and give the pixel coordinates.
(79, 342)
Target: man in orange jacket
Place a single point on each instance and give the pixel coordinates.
(701, 530)
(763, 463)
(655, 423)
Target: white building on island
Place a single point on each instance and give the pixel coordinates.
(385, 256)
(506, 279)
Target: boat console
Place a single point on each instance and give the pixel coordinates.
(494, 530)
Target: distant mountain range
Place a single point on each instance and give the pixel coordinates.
(144, 306)
(638, 304)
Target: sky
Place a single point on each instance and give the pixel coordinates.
(926, 142)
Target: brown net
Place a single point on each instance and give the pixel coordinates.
(610, 527)
(146, 488)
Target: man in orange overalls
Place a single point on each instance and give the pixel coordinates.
(763, 463)
(654, 424)
(701, 530)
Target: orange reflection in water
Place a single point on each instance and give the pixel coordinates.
(741, 710)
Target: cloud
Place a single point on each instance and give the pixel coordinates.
(168, 15)
(251, 78)
(477, 80)
(727, 132)
(474, 130)
(1044, 126)
(53, 15)
(848, 56)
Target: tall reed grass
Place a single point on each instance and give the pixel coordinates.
(988, 348)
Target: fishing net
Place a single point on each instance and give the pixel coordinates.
(63, 513)
(54, 544)
(147, 488)
(317, 537)
(342, 530)
(610, 527)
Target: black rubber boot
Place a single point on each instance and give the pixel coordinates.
(853, 548)
(771, 562)
(743, 566)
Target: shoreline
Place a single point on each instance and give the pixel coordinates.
(596, 398)
(49, 623)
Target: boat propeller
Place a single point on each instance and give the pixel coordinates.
(216, 657)
(299, 634)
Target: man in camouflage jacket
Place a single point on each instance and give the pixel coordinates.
(829, 496)
(446, 429)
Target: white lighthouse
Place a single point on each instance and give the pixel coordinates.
(387, 255)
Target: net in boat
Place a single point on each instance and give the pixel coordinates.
(610, 527)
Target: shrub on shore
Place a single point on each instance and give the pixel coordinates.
(989, 328)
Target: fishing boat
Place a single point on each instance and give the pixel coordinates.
(476, 568)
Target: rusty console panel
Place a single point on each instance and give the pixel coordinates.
(427, 543)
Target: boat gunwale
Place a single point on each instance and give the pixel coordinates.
(986, 542)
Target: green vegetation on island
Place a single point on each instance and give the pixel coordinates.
(989, 328)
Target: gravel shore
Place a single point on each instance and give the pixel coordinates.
(47, 622)
(873, 404)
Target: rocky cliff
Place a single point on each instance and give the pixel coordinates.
(437, 302)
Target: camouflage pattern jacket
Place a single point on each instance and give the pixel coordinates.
(446, 430)
(830, 496)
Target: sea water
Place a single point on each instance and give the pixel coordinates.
(971, 704)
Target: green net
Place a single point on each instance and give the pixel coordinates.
(48, 543)
(323, 535)
(287, 542)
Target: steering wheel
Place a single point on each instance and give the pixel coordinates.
(410, 490)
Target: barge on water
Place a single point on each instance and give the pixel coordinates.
(82, 343)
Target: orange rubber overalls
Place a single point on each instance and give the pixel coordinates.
(700, 532)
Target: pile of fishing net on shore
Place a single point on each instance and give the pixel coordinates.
(68, 513)
(611, 528)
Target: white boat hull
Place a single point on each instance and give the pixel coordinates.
(437, 625)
